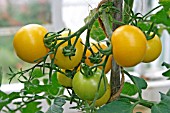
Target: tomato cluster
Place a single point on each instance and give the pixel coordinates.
(129, 47)
(29, 45)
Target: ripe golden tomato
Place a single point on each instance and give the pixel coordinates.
(109, 61)
(128, 45)
(154, 48)
(28, 42)
(105, 98)
(65, 62)
(64, 80)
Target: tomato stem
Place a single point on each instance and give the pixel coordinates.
(87, 45)
(140, 101)
(145, 16)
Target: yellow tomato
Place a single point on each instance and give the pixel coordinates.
(128, 45)
(105, 98)
(109, 61)
(28, 42)
(65, 62)
(154, 48)
(64, 80)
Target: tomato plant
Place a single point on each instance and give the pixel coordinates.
(86, 86)
(28, 43)
(80, 68)
(154, 48)
(127, 41)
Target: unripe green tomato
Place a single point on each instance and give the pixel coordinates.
(87, 87)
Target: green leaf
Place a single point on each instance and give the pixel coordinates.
(13, 95)
(4, 100)
(55, 86)
(39, 112)
(56, 107)
(36, 82)
(17, 103)
(35, 89)
(97, 32)
(37, 73)
(163, 106)
(143, 26)
(54, 90)
(165, 4)
(168, 93)
(31, 107)
(45, 81)
(1, 76)
(166, 73)
(168, 29)
(107, 21)
(55, 80)
(139, 82)
(90, 16)
(117, 107)
(129, 3)
(129, 89)
(48, 101)
(161, 17)
(166, 65)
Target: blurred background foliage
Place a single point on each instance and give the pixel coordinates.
(14, 14)
(24, 12)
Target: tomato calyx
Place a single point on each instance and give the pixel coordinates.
(69, 51)
(150, 34)
(95, 58)
(70, 73)
(87, 71)
(50, 39)
(149, 37)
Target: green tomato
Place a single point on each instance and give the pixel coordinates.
(87, 87)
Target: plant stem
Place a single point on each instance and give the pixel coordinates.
(151, 11)
(87, 44)
(140, 101)
(22, 105)
(115, 71)
(127, 10)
